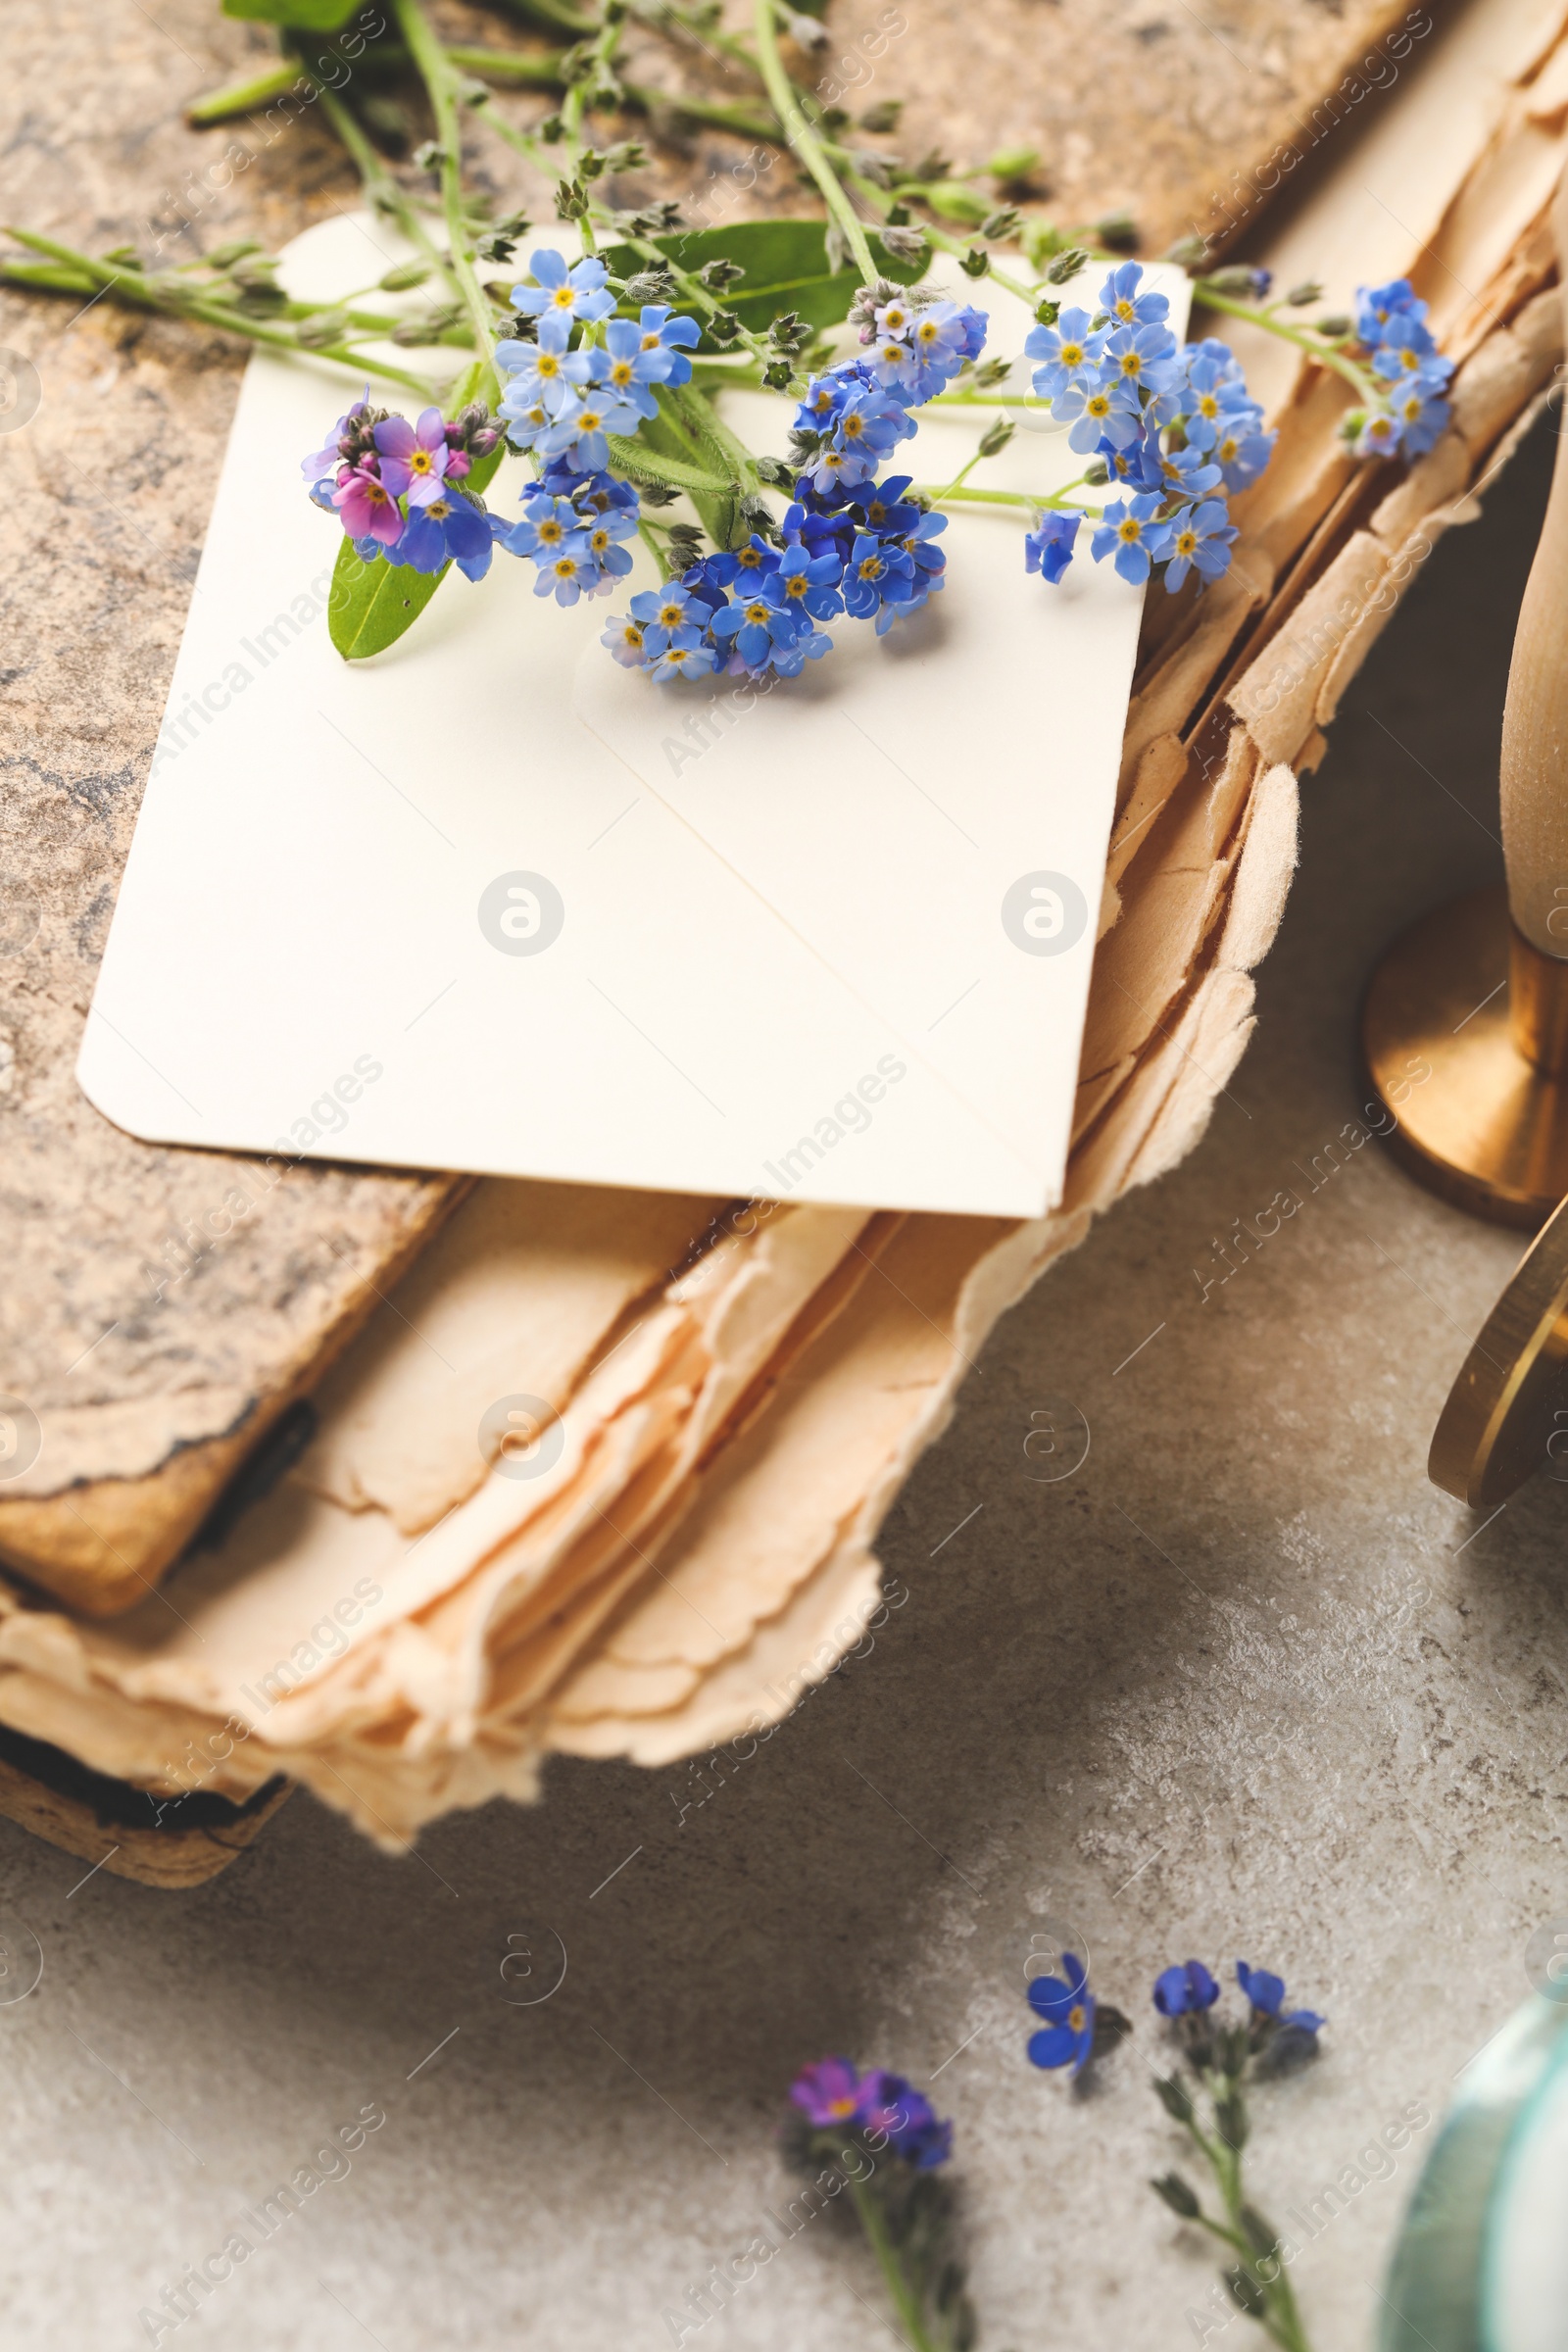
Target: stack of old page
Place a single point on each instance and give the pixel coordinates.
(604, 1476)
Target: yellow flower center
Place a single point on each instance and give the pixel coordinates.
(620, 373)
(548, 363)
(749, 557)
(1131, 531)
(1077, 2016)
(1072, 355)
(420, 462)
(756, 612)
(670, 616)
(796, 584)
(870, 567)
(854, 424)
(564, 297)
(550, 534)
(565, 567)
(1131, 363)
(1186, 542)
(1207, 404)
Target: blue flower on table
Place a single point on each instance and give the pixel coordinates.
(1189, 473)
(1411, 351)
(821, 404)
(592, 494)
(1201, 540)
(1241, 453)
(541, 373)
(745, 563)
(1068, 352)
(1131, 531)
(1214, 401)
(601, 537)
(1049, 547)
(829, 471)
(662, 331)
(752, 625)
(627, 643)
(882, 507)
(893, 2108)
(677, 654)
(928, 561)
(451, 529)
(893, 364)
(527, 421)
(1185, 1989)
(575, 293)
(1139, 464)
(790, 660)
(867, 422)
(670, 607)
(1420, 413)
(1119, 296)
(1378, 436)
(1265, 1994)
(580, 425)
(626, 370)
(876, 574)
(1065, 2002)
(1142, 356)
(570, 574)
(805, 584)
(1107, 410)
(547, 526)
(942, 336)
(1385, 311)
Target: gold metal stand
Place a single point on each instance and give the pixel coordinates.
(1510, 1404)
(1465, 1037)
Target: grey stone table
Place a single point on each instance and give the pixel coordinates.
(1243, 1684)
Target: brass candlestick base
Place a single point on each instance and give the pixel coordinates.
(1465, 1037)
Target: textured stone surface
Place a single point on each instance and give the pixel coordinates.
(1244, 1684)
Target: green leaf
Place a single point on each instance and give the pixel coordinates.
(311, 16)
(785, 264)
(372, 605)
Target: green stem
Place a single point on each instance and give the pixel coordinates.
(516, 67)
(136, 292)
(904, 2300)
(1305, 338)
(1038, 501)
(555, 14)
(661, 16)
(804, 142)
(644, 532)
(382, 190)
(242, 97)
(430, 61)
